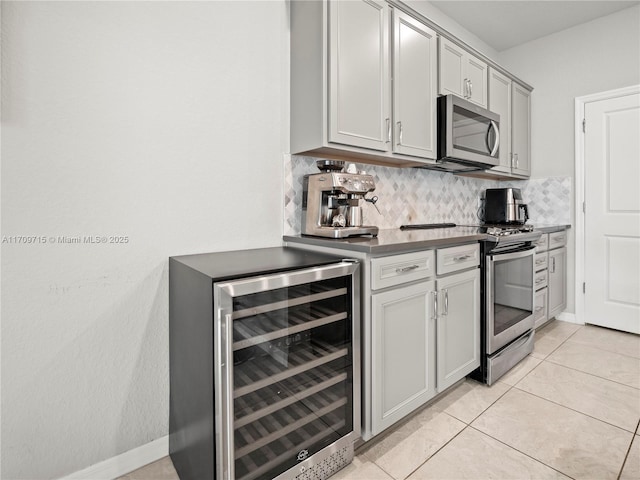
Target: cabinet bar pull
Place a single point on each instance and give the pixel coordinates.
(407, 269)
(461, 257)
(540, 280)
(388, 130)
(399, 133)
(446, 301)
(553, 268)
(435, 305)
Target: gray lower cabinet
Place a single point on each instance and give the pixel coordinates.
(557, 281)
(403, 352)
(425, 328)
(550, 277)
(458, 327)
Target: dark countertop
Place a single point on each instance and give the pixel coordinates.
(394, 240)
(552, 228)
(243, 263)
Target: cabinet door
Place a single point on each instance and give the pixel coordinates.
(359, 95)
(414, 87)
(451, 74)
(477, 77)
(540, 308)
(403, 352)
(557, 283)
(458, 327)
(521, 130)
(500, 103)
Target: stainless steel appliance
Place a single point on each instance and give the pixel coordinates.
(505, 206)
(331, 202)
(507, 263)
(468, 135)
(264, 364)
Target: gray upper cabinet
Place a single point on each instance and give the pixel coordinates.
(512, 102)
(521, 130)
(359, 103)
(414, 87)
(500, 102)
(462, 73)
(349, 60)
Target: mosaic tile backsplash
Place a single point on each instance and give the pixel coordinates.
(412, 195)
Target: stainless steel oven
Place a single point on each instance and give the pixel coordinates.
(507, 301)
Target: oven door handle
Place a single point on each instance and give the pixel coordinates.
(511, 255)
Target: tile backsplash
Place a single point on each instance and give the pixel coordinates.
(413, 195)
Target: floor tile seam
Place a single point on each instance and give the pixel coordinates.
(523, 453)
(588, 373)
(438, 411)
(436, 452)
(488, 407)
(626, 457)
(527, 374)
(595, 347)
(577, 411)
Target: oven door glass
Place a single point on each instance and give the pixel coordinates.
(510, 296)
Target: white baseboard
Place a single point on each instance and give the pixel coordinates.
(568, 317)
(124, 463)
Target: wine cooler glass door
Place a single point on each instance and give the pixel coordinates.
(287, 357)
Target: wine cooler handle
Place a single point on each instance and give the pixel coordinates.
(227, 355)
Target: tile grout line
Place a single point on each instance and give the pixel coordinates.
(626, 457)
(523, 453)
(574, 410)
(591, 374)
(467, 425)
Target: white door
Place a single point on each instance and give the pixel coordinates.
(612, 213)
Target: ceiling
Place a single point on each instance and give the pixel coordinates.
(506, 24)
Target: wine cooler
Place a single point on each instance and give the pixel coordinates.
(270, 388)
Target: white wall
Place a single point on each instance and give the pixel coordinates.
(161, 121)
(593, 57)
(436, 15)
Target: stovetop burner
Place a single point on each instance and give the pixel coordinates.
(502, 230)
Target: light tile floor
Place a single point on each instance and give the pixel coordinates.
(569, 410)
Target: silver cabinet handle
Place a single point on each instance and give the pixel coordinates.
(407, 269)
(540, 280)
(446, 302)
(399, 133)
(388, 130)
(558, 239)
(540, 261)
(461, 257)
(435, 305)
(539, 308)
(515, 156)
(553, 268)
(470, 88)
(466, 88)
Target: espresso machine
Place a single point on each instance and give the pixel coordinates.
(331, 201)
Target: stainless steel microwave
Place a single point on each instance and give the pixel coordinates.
(468, 135)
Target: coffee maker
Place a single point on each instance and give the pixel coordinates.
(331, 201)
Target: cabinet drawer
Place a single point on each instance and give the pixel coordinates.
(457, 258)
(540, 308)
(397, 269)
(540, 280)
(543, 243)
(557, 239)
(541, 261)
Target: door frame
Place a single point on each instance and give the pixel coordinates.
(579, 198)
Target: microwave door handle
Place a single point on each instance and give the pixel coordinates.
(496, 143)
